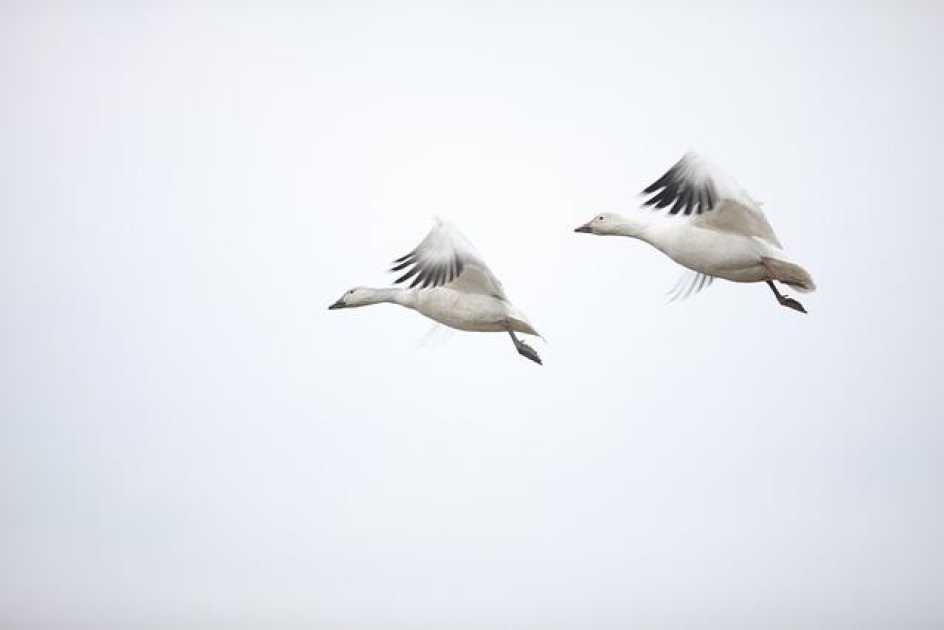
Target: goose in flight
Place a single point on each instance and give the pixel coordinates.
(714, 229)
(452, 285)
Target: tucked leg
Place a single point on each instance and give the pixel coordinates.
(524, 349)
(784, 300)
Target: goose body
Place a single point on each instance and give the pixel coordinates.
(713, 228)
(470, 311)
(717, 254)
(452, 285)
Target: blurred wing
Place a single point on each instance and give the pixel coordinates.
(435, 337)
(689, 283)
(446, 257)
(693, 185)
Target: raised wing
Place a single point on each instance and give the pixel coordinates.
(693, 185)
(687, 187)
(446, 257)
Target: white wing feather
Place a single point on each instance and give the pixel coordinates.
(694, 185)
(446, 257)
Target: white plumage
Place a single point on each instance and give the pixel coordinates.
(712, 227)
(451, 284)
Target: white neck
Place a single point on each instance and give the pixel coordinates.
(393, 295)
(635, 226)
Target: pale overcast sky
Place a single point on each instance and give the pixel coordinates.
(189, 439)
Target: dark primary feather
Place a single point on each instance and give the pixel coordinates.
(407, 261)
(678, 187)
(427, 274)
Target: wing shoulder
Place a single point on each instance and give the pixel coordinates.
(738, 217)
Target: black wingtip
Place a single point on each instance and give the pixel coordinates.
(659, 183)
(401, 264)
(417, 280)
(404, 257)
(676, 189)
(407, 275)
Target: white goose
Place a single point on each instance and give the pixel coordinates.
(727, 237)
(452, 286)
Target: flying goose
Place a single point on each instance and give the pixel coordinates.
(714, 228)
(452, 285)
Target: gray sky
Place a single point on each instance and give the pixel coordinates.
(190, 439)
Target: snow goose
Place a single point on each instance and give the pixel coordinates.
(452, 285)
(714, 229)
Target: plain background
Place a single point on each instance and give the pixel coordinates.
(190, 439)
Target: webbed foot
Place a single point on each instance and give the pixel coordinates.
(525, 350)
(528, 352)
(789, 302)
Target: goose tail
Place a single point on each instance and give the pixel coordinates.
(790, 274)
(520, 324)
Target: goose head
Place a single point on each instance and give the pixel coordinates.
(358, 296)
(602, 224)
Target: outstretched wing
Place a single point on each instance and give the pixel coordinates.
(688, 284)
(693, 185)
(446, 257)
